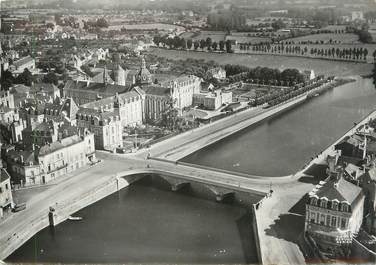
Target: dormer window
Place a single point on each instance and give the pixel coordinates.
(344, 207)
(323, 203)
(335, 205)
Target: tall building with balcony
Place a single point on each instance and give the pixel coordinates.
(334, 213)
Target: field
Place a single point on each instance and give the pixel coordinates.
(217, 36)
(159, 26)
(319, 66)
(347, 38)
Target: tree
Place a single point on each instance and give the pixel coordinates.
(176, 42)
(196, 44)
(202, 44)
(374, 75)
(102, 23)
(208, 43)
(189, 44)
(277, 25)
(228, 46)
(7, 80)
(183, 44)
(25, 78)
(157, 40)
(51, 78)
(221, 45)
(364, 36)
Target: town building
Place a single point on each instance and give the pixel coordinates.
(143, 76)
(368, 184)
(6, 199)
(8, 115)
(7, 99)
(182, 90)
(83, 92)
(217, 73)
(212, 100)
(309, 75)
(42, 164)
(128, 106)
(20, 65)
(105, 125)
(157, 100)
(334, 212)
(357, 15)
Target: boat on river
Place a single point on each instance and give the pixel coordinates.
(75, 218)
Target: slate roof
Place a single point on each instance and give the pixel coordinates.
(100, 88)
(4, 175)
(342, 190)
(23, 61)
(50, 148)
(46, 87)
(156, 90)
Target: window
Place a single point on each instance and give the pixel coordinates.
(334, 221)
(343, 223)
(6, 186)
(322, 219)
(344, 207)
(313, 201)
(335, 206)
(323, 203)
(1, 190)
(328, 220)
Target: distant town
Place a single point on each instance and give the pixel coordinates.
(97, 98)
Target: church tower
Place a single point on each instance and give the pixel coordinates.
(143, 77)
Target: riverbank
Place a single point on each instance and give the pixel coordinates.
(278, 240)
(321, 67)
(189, 142)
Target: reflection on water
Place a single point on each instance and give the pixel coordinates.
(283, 144)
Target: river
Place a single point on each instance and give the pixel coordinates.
(146, 223)
(283, 144)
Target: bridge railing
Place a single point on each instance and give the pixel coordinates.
(239, 174)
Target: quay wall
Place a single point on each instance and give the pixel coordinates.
(63, 210)
(238, 124)
(256, 234)
(320, 158)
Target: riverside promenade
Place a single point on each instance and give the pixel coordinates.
(182, 145)
(280, 219)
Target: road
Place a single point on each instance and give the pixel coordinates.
(19, 227)
(180, 146)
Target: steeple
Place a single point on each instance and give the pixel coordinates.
(143, 63)
(105, 75)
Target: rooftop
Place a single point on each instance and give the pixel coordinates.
(156, 90)
(340, 190)
(4, 175)
(95, 87)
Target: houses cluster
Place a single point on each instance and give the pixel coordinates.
(48, 132)
(341, 210)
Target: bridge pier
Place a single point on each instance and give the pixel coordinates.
(221, 193)
(176, 184)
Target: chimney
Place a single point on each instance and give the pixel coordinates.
(331, 164)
